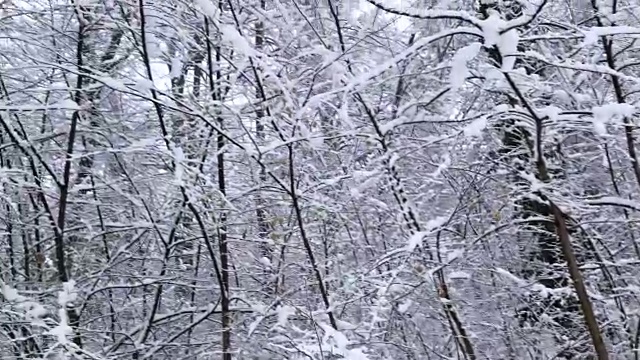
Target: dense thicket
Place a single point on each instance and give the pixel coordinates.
(319, 179)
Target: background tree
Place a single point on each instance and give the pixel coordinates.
(318, 179)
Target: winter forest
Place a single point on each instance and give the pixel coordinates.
(319, 179)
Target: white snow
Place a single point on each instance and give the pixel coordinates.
(615, 201)
(506, 43)
(337, 338)
(153, 44)
(393, 159)
(207, 7)
(356, 354)
(62, 105)
(459, 70)
(476, 127)
(444, 165)
(62, 330)
(66, 298)
(232, 37)
(397, 289)
(591, 36)
(176, 67)
(283, 314)
(508, 46)
(179, 159)
(436, 222)
(534, 183)
(68, 295)
(345, 325)
(143, 85)
(360, 175)
(35, 311)
(373, 72)
(424, 12)
(576, 65)
(67, 104)
(491, 28)
(316, 140)
(9, 293)
(386, 127)
(416, 240)
(264, 261)
(509, 275)
(604, 114)
(377, 203)
(113, 83)
(404, 306)
(344, 115)
(551, 111)
(501, 108)
(161, 78)
(459, 275)
(453, 255)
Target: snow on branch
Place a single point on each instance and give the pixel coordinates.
(591, 36)
(429, 14)
(377, 71)
(574, 65)
(615, 201)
